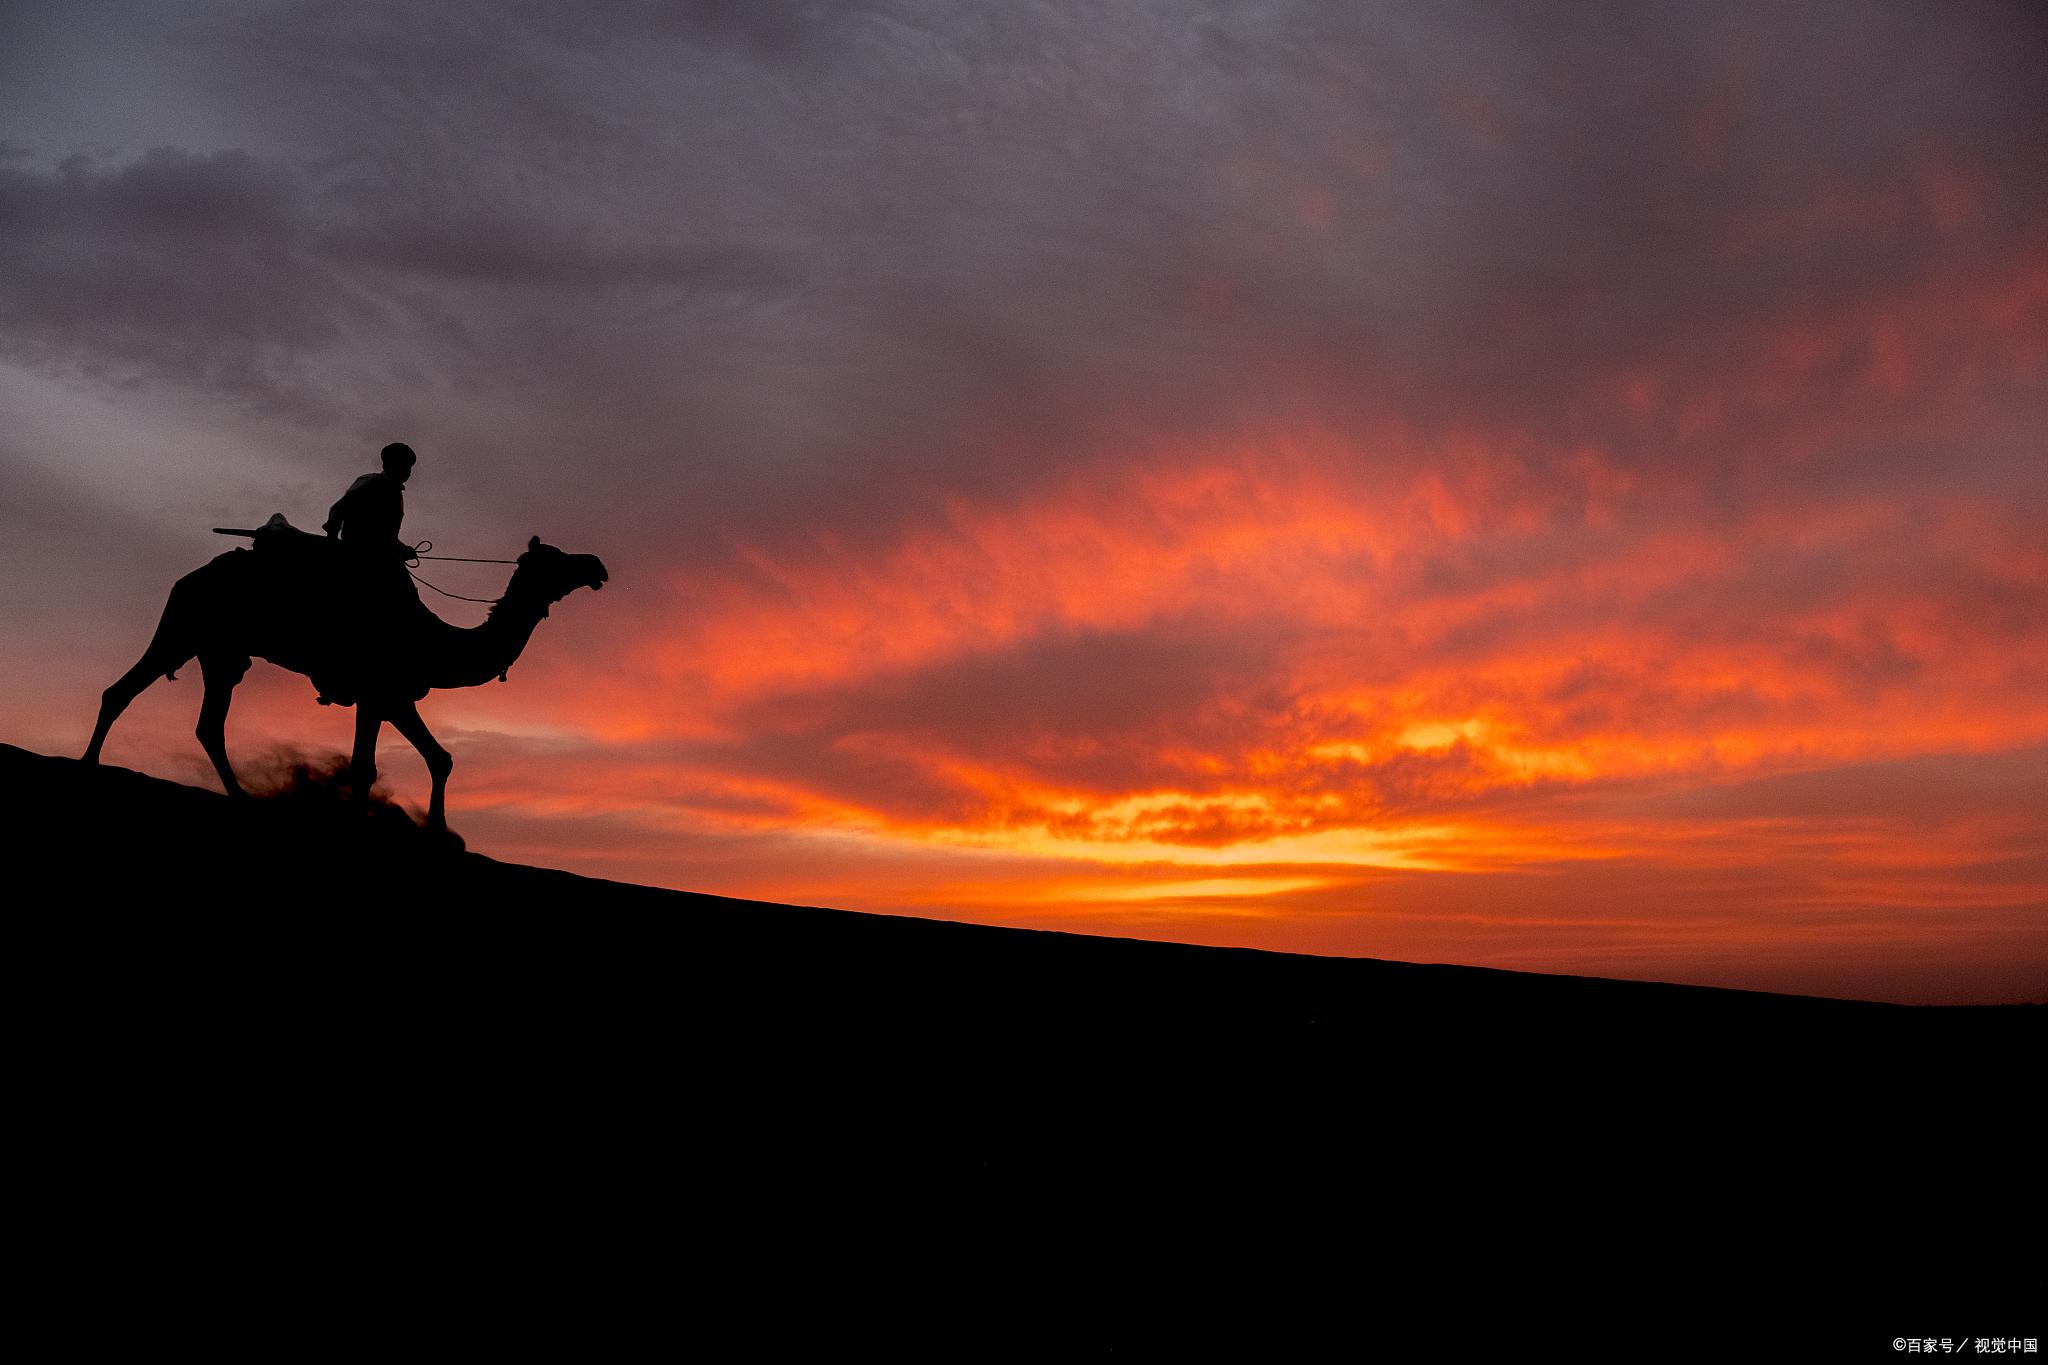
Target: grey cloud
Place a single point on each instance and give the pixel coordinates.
(245, 277)
(187, 268)
(766, 268)
(493, 249)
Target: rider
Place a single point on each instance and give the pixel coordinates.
(367, 516)
(366, 521)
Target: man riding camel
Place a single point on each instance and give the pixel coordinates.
(379, 605)
(352, 588)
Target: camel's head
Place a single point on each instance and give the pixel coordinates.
(552, 575)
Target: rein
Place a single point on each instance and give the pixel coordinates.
(487, 601)
(419, 552)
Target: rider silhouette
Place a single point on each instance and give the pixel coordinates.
(380, 603)
(368, 515)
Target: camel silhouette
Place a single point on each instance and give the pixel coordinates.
(298, 600)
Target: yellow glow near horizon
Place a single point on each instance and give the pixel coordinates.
(1199, 889)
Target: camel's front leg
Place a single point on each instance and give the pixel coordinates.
(406, 720)
(362, 768)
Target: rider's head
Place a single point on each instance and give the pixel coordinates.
(399, 460)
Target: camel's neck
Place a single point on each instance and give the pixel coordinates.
(470, 658)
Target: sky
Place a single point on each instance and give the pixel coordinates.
(1546, 487)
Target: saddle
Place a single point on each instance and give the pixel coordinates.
(357, 600)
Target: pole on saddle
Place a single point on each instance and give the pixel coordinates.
(253, 532)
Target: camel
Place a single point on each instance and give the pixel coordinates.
(296, 600)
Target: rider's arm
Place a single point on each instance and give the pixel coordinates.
(337, 516)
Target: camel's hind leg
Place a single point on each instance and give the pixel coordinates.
(170, 649)
(222, 672)
(130, 685)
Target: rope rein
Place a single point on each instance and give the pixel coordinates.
(487, 601)
(419, 552)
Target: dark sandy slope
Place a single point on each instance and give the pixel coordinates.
(510, 1088)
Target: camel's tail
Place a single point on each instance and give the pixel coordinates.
(177, 639)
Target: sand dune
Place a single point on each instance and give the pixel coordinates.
(237, 1002)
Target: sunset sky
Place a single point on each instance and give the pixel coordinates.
(1557, 487)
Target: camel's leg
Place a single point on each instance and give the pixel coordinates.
(222, 672)
(362, 768)
(168, 651)
(406, 720)
(115, 700)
